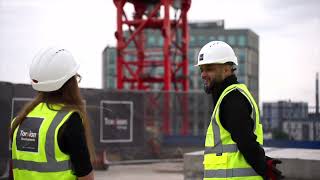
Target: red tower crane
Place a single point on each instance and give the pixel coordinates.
(172, 57)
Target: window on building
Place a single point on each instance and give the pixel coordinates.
(221, 38)
(192, 40)
(212, 38)
(241, 69)
(191, 84)
(151, 40)
(191, 56)
(241, 55)
(111, 72)
(131, 44)
(111, 83)
(241, 79)
(112, 57)
(179, 36)
(158, 70)
(249, 68)
(242, 41)
(201, 40)
(129, 57)
(160, 41)
(191, 70)
(231, 40)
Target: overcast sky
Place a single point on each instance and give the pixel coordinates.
(289, 32)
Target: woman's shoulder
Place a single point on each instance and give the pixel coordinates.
(74, 118)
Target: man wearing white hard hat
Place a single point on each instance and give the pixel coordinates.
(51, 135)
(233, 145)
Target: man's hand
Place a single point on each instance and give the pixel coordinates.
(272, 172)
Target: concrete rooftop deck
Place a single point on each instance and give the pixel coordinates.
(302, 164)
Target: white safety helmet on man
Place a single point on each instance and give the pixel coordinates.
(216, 52)
(51, 68)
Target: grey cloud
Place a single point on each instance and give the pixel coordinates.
(287, 3)
(294, 10)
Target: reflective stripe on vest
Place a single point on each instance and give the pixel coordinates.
(219, 148)
(51, 165)
(42, 166)
(225, 148)
(224, 173)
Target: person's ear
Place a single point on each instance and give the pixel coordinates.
(225, 68)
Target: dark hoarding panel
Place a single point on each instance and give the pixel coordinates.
(6, 90)
(22, 94)
(116, 121)
(121, 119)
(117, 118)
(24, 90)
(126, 122)
(91, 97)
(17, 104)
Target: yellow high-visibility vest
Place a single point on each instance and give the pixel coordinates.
(222, 158)
(35, 151)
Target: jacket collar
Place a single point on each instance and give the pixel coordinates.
(220, 87)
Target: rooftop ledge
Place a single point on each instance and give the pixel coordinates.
(302, 164)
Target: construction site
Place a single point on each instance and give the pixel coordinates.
(151, 116)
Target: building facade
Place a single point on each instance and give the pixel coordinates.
(275, 113)
(306, 130)
(244, 41)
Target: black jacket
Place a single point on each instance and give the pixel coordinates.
(72, 141)
(235, 117)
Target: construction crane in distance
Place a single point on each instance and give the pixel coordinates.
(136, 60)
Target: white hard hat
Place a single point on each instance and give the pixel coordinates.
(51, 68)
(216, 52)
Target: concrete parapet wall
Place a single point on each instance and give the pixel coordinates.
(302, 164)
(192, 167)
(297, 163)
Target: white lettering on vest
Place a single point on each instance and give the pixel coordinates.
(29, 134)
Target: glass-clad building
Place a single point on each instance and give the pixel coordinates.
(244, 41)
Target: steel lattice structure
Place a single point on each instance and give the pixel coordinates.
(172, 57)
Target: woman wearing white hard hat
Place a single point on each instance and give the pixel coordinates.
(51, 136)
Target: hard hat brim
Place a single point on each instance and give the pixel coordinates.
(54, 85)
(220, 61)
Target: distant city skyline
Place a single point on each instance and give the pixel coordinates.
(288, 31)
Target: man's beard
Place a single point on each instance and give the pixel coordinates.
(209, 88)
(213, 84)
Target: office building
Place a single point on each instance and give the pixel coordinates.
(275, 113)
(244, 42)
